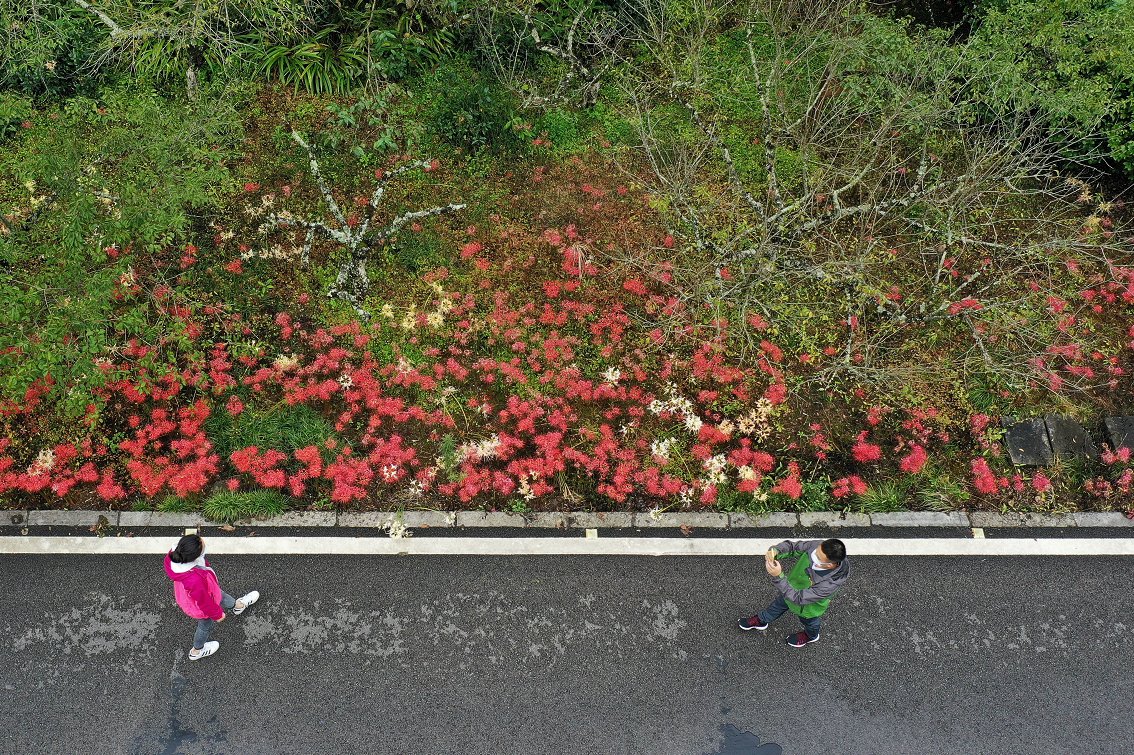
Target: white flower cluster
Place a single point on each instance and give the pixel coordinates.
(526, 487)
(389, 472)
(678, 404)
(346, 381)
(661, 448)
(675, 404)
(253, 210)
(434, 319)
(43, 463)
(612, 375)
(485, 449)
(757, 422)
(398, 530)
(285, 362)
(715, 466)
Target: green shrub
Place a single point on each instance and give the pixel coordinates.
(228, 507)
(562, 129)
(320, 63)
(14, 111)
(469, 109)
(1070, 62)
(420, 252)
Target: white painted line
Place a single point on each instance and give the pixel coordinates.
(592, 533)
(563, 546)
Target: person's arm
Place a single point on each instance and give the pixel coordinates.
(811, 594)
(789, 548)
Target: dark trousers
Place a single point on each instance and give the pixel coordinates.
(204, 626)
(779, 607)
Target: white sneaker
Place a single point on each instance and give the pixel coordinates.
(243, 603)
(209, 648)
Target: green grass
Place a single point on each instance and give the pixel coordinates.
(881, 498)
(284, 428)
(173, 504)
(229, 507)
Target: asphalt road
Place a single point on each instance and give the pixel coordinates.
(567, 655)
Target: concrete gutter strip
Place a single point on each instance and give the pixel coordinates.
(826, 519)
(921, 519)
(988, 520)
(777, 520)
(50, 518)
(574, 520)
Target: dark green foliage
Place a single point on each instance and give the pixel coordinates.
(469, 109)
(15, 111)
(352, 42)
(1071, 62)
(48, 48)
(322, 63)
(420, 252)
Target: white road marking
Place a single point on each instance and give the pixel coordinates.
(562, 546)
(978, 533)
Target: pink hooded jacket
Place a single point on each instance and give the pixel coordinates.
(197, 591)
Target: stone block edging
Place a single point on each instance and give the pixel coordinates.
(575, 520)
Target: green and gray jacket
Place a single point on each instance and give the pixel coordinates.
(806, 594)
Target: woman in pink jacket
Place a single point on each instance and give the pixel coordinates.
(199, 594)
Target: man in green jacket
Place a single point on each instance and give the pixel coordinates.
(821, 569)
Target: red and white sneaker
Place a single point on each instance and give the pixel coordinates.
(799, 639)
(752, 622)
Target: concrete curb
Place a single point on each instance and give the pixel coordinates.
(51, 518)
(576, 520)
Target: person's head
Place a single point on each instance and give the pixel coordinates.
(831, 552)
(188, 550)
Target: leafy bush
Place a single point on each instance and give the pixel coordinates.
(47, 48)
(15, 110)
(562, 129)
(470, 110)
(1070, 61)
(356, 42)
(321, 63)
(229, 507)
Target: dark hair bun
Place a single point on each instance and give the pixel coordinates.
(188, 550)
